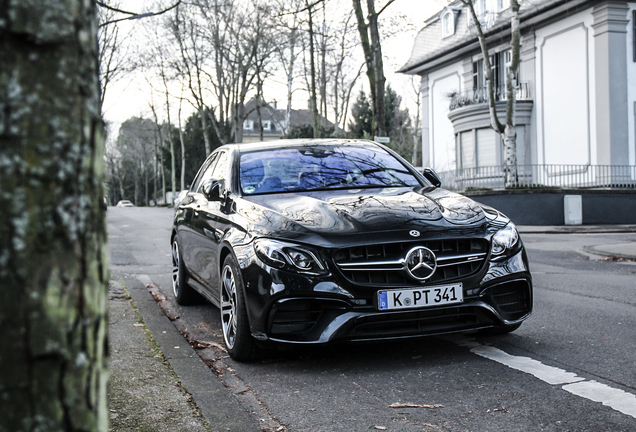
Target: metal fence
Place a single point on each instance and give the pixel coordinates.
(542, 177)
(479, 95)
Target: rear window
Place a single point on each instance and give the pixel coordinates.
(321, 168)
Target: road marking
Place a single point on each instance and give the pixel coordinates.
(608, 396)
(549, 374)
(616, 399)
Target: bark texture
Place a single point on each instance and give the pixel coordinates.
(53, 268)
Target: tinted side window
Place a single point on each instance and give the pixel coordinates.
(204, 172)
(216, 171)
(221, 170)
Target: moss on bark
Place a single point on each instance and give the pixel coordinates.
(53, 268)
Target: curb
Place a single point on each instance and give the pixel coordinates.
(218, 405)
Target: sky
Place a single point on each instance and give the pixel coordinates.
(129, 96)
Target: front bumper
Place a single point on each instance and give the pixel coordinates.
(292, 308)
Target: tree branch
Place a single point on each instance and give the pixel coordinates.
(133, 15)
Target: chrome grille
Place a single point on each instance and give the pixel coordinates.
(384, 264)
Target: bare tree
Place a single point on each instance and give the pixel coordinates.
(53, 263)
(344, 74)
(113, 61)
(417, 135)
(288, 49)
(370, 40)
(507, 130)
(136, 144)
(194, 54)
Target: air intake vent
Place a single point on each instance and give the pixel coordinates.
(512, 298)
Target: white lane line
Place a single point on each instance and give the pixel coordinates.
(549, 374)
(616, 399)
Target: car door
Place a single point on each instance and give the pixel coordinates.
(190, 231)
(205, 222)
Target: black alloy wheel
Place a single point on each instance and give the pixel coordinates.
(236, 330)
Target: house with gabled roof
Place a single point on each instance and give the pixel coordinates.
(272, 121)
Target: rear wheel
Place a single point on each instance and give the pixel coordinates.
(183, 293)
(236, 330)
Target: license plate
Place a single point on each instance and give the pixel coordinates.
(420, 297)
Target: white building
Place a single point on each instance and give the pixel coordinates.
(577, 85)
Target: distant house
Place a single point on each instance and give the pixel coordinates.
(576, 94)
(272, 121)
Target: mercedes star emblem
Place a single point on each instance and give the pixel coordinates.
(414, 233)
(421, 263)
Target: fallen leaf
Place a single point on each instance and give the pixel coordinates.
(412, 405)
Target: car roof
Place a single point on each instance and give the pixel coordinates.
(295, 143)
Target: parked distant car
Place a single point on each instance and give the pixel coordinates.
(125, 203)
(315, 241)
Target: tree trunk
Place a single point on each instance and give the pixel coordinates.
(204, 127)
(182, 142)
(511, 177)
(312, 72)
(507, 130)
(290, 80)
(378, 65)
(373, 59)
(53, 259)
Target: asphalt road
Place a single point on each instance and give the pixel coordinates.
(570, 367)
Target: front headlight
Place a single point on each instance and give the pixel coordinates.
(505, 239)
(288, 256)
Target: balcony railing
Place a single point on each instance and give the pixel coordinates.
(480, 95)
(542, 177)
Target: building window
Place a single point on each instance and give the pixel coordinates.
(479, 77)
(502, 5)
(634, 34)
(500, 64)
(448, 24)
(267, 125)
(478, 148)
(248, 124)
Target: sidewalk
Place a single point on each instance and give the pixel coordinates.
(143, 392)
(622, 250)
(159, 383)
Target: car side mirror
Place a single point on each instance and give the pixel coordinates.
(432, 177)
(212, 190)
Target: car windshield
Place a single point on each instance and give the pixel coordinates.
(321, 168)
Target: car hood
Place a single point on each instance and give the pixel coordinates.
(359, 212)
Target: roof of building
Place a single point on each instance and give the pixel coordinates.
(430, 48)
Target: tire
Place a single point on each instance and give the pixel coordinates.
(183, 293)
(502, 330)
(240, 344)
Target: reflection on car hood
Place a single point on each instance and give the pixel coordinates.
(360, 211)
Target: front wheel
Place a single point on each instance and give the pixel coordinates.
(236, 330)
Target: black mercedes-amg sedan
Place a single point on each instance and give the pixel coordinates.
(315, 241)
